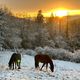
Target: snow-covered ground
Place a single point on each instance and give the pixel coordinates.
(63, 70)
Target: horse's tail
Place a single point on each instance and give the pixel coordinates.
(36, 62)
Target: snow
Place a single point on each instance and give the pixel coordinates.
(63, 70)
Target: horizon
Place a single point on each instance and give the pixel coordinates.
(46, 14)
(30, 8)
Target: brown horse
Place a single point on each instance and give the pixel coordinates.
(15, 60)
(45, 59)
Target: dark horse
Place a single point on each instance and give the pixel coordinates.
(45, 59)
(14, 61)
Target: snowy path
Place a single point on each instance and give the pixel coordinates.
(63, 70)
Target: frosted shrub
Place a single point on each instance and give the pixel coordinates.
(60, 53)
(76, 56)
(51, 43)
(30, 52)
(54, 53)
(40, 50)
(57, 53)
(60, 42)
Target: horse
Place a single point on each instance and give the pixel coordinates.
(45, 59)
(14, 61)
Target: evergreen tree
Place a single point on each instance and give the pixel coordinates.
(40, 17)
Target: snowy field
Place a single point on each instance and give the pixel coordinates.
(63, 70)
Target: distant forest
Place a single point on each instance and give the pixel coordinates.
(29, 33)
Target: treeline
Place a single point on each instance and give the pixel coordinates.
(30, 33)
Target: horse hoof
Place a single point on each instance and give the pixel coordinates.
(19, 68)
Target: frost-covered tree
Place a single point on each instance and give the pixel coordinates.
(39, 18)
(51, 26)
(60, 42)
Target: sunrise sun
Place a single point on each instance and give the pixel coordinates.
(61, 13)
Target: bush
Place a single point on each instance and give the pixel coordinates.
(39, 50)
(76, 56)
(30, 52)
(59, 53)
(54, 53)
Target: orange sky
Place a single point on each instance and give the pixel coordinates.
(46, 14)
(24, 7)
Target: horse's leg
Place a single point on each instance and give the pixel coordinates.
(36, 64)
(42, 66)
(13, 65)
(46, 66)
(18, 64)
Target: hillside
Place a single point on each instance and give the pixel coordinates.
(63, 70)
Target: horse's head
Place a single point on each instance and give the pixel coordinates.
(51, 69)
(9, 65)
(52, 66)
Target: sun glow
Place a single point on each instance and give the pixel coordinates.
(61, 13)
(57, 12)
